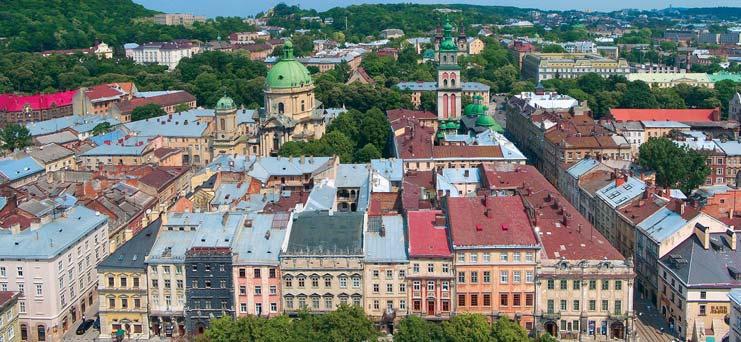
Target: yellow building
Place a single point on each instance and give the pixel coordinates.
(122, 287)
(9, 325)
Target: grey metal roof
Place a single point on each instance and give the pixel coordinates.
(697, 266)
(662, 224)
(582, 167)
(352, 175)
(132, 253)
(391, 169)
(326, 233)
(730, 147)
(266, 167)
(53, 238)
(259, 244)
(228, 193)
(322, 196)
(391, 247)
(616, 196)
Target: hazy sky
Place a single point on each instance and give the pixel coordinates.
(214, 8)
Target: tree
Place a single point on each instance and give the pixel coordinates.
(668, 98)
(467, 327)
(553, 48)
(182, 107)
(375, 129)
(338, 144)
(147, 111)
(416, 329)
(546, 337)
(506, 330)
(638, 95)
(102, 128)
(15, 136)
(675, 166)
(368, 152)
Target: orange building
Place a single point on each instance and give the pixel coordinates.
(495, 251)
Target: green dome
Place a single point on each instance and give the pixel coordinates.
(485, 121)
(474, 109)
(225, 103)
(447, 44)
(288, 72)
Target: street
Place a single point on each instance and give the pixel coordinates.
(650, 323)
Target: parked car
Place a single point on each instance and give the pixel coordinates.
(84, 326)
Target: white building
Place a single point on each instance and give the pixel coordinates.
(162, 53)
(53, 264)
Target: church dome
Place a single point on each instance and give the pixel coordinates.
(485, 121)
(225, 103)
(288, 72)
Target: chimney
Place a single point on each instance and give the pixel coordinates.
(680, 207)
(439, 220)
(382, 230)
(566, 218)
(730, 237)
(619, 181)
(703, 233)
(15, 228)
(163, 217)
(488, 213)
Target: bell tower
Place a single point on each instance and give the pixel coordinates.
(449, 88)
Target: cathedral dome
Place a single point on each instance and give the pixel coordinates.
(288, 72)
(225, 103)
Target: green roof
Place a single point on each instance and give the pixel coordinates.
(225, 103)
(448, 44)
(724, 75)
(485, 121)
(288, 72)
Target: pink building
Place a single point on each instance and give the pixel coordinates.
(256, 266)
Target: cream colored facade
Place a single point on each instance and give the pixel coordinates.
(431, 287)
(386, 288)
(584, 300)
(669, 80)
(122, 298)
(10, 328)
(291, 117)
(166, 295)
(65, 163)
(320, 284)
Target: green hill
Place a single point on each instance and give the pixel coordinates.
(37, 25)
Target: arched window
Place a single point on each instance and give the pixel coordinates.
(445, 106)
(303, 105)
(453, 106)
(445, 58)
(41, 331)
(452, 79)
(445, 82)
(281, 108)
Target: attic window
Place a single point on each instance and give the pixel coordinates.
(280, 77)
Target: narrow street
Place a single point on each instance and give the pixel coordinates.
(649, 325)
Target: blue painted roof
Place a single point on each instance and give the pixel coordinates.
(352, 175)
(459, 175)
(582, 167)
(662, 224)
(391, 169)
(266, 167)
(232, 163)
(322, 196)
(15, 169)
(389, 248)
(52, 238)
(115, 150)
(79, 123)
(199, 230)
(259, 244)
(229, 192)
(183, 124)
(111, 136)
(735, 296)
(257, 202)
(616, 196)
(3, 202)
(730, 147)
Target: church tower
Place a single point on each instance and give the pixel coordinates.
(449, 89)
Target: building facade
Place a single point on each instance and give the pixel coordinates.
(209, 288)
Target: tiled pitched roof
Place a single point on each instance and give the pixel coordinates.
(15, 103)
(426, 239)
(626, 114)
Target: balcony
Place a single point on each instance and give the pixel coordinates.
(551, 315)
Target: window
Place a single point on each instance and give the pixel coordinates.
(619, 285)
(257, 273)
(516, 276)
(446, 269)
(289, 302)
(461, 277)
(445, 286)
(315, 302)
(315, 281)
(39, 290)
(243, 274)
(592, 305)
(474, 258)
(402, 304)
(390, 274)
(180, 284)
(389, 288)
(576, 305)
(577, 284)
(20, 271)
(167, 283)
(207, 283)
(563, 305)
(503, 299)
(111, 303)
(605, 284)
(474, 300)
(402, 287)
(273, 290)
(375, 274)
(474, 277)
(551, 284)
(328, 303)
(487, 299)
(503, 277)
(242, 290)
(529, 278)
(271, 273)
(136, 281)
(605, 305)
(327, 282)
(343, 282)
(703, 295)
(487, 277)
(461, 300)
(111, 282)
(592, 284)
(301, 280)
(355, 282)
(376, 288)
(564, 284)
(274, 307)
(431, 286)
(516, 257)
(703, 309)
(529, 256)
(415, 268)
(416, 285)
(529, 297)
(3, 273)
(258, 290)
(243, 307)
(503, 257)
(430, 268)
(516, 299)
(402, 274)
(618, 307)
(137, 303)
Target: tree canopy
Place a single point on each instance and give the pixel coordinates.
(146, 112)
(675, 166)
(15, 136)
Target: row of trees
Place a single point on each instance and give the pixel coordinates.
(616, 91)
(676, 166)
(354, 136)
(350, 324)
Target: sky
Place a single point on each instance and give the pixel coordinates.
(243, 8)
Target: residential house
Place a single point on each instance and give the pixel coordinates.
(10, 328)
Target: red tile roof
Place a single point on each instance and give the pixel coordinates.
(626, 114)
(162, 176)
(425, 238)
(162, 100)
(572, 238)
(15, 103)
(414, 183)
(385, 203)
(7, 296)
(462, 151)
(398, 114)
(103, 92)
(489, 221)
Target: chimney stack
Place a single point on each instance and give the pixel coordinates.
(703, 233)
(440, 220)
(730, 237)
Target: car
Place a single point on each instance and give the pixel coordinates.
(84, 326)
